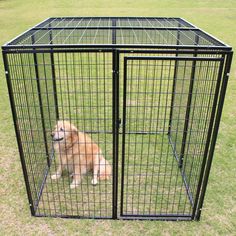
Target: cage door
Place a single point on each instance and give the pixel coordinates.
(168, 104)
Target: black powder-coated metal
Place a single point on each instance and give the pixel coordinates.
(214, 134)
(115, 122)
(148, 90)
(18, 138)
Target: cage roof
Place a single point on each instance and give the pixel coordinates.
(155, 32)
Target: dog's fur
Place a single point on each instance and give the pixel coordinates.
(78, 154)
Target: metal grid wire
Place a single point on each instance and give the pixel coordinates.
(154, 113)
(152, 182)
(121, 31)
(84, 97)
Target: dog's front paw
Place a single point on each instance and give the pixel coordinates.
(94, 182)
(74, 184)
(55, 176)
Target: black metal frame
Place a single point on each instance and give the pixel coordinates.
(216, 52)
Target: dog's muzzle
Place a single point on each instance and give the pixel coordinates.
(57, 140)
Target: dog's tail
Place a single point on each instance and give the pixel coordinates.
(105, 170)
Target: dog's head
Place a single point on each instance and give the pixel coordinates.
(63, 131)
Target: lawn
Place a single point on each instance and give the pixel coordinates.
(219, 213)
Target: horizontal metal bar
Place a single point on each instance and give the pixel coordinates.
(132, 132)
(144, 46)
(115, 27)
(170, 217)
(73, 216)
(174, 58)
(124, 217)
(51, 50)
(117, 17)
(153, 51)
(189, 51)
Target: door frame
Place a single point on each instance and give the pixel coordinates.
(176, 58)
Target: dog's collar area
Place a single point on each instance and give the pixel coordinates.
(57, 140)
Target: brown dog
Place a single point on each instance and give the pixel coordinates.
(79, 154)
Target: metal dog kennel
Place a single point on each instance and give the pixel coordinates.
(149, 91)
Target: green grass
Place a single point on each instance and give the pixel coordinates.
(158, 189)
(219, 212)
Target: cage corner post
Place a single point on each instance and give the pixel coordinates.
(17, 132)
(115, 128)
(208, 154)
(115, 120)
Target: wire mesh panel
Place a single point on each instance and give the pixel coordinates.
(78, 90)
(129, 31)
(116, 117)
(84, 92)
(151, 181)
(156, 140)
(28, 87)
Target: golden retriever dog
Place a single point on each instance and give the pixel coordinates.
(78, 154)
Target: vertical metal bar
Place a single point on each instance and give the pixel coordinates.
(188, 109)
(123, 136)
(114, 31)
(18, 137)
(40, 103)
(115, 128)
(210, 128)
(53, 76)
(203, 180)
(174, 83)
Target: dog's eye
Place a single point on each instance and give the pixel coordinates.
(61, 129)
